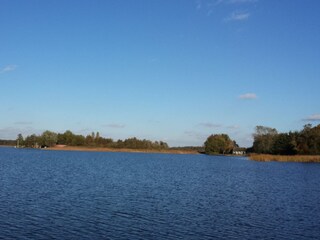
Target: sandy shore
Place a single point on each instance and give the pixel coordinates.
(103, 149)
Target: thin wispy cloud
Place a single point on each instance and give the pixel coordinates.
(12, 132)
(238, 16)
(233, 127)
(208, 6)
(23, 123)
(209, 13)
(114, 125)
(245, 140)
(85, 130)
(209, 125)
(248, 96)
(234, 1)
(8, 68)
(313, 118)
(241, 1)
(198, 4)
(195, 135)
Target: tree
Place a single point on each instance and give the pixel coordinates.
(262, 130)
(98, 139)
(48, 138)
(66, 138)
(20, 140)
(285, 144)
(78, 140)
(32, 141)
(308, 141)
(163, 145)
(218, 143)
(263, 139)
(106, 142)
(89, 140)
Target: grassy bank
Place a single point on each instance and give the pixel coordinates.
(285, 158)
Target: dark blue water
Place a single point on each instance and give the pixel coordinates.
(87, 195)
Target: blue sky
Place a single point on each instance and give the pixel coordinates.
(171, 70)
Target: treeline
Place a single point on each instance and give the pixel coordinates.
(50, 139)
(7, 142)
(305, 142)
(198, 149)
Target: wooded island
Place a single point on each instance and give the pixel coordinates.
(268, 144)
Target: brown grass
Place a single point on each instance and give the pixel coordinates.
(103, 149)
(285, 158)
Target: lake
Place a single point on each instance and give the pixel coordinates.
(93, 195)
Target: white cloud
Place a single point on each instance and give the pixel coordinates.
(314, 117)
(248, 96)
(8, 68)
(238, 16)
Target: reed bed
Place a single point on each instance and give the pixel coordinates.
(105, 149)
(285, 158)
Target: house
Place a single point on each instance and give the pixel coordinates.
(239, 151)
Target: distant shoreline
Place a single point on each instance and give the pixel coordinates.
(104, 149)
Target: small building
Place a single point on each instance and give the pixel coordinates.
(239, 151)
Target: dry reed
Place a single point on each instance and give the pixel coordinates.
(285, 158)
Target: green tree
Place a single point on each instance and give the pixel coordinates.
(89, 140)
(309, 140)
(65, 138)
(264, 138)
(98, 139)
(218, 143)
(20, 140)
(163, 145)
(78, 140)
(32, 141)
(48, 139)
(106, 142)
(285, 144)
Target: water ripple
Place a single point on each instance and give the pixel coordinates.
(79, 195)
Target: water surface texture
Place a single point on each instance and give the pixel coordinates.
(91, 195)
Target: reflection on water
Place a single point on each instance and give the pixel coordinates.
(87, 195)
